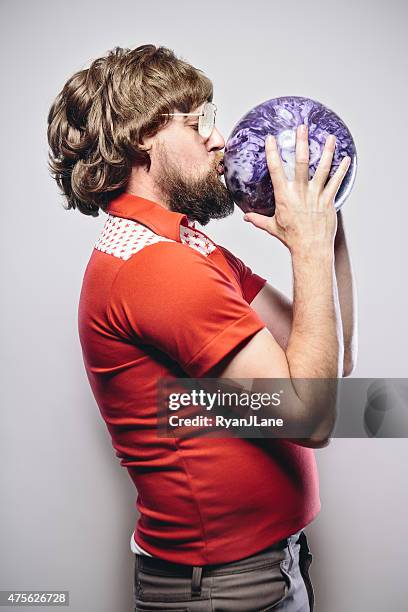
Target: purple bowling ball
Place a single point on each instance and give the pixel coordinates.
(245, 169)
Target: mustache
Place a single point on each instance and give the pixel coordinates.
(218, 158)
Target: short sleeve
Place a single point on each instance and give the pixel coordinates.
(173, 298)
(250, 282)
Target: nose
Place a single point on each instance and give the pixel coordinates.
(215, 142)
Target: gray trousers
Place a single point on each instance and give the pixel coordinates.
(275, 579)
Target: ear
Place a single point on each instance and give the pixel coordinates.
(146, 144)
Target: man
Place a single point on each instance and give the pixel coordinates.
(221, 520)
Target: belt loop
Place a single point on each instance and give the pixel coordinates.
(196, 581)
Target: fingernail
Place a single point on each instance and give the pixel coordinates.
(302, 128)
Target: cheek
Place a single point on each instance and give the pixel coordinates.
(194, 159)
(187, 153)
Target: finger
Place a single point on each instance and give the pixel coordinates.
(323, 168)
(262, 222)
(333, 185)
(275, 167)
(302, 155)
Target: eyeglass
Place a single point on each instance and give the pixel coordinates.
(206, 120)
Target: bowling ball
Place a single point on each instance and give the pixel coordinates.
(245, 169)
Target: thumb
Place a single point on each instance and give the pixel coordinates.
(262, 222)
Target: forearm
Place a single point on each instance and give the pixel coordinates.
(315, 346)
(347, 297)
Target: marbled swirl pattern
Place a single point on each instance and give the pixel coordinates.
(245, 169)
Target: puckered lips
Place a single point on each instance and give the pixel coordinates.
(220, 163)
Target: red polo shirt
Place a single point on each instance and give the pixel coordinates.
(160, 299)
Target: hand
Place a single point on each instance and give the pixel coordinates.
(305, 216)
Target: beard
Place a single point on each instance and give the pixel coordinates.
(200, 198)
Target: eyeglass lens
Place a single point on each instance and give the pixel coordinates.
(207, 120)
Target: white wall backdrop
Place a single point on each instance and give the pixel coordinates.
(67, 507)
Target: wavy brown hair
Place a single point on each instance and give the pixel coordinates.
(99, 119)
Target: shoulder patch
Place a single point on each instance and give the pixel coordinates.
(123, 238)
(196, 240)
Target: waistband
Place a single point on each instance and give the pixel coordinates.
(168, 568)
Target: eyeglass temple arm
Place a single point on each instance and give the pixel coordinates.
(182, 114)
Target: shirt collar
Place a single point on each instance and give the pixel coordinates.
(159, 219)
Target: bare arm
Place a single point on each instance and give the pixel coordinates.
(276, 309)
(305, 221)
(347, 297)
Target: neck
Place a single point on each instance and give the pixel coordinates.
(141, 184)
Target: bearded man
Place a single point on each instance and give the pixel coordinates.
(221, 524)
